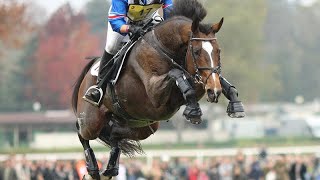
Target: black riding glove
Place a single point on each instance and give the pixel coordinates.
(135, 32)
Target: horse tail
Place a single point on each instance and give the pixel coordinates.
(129, 147)
(78, 84)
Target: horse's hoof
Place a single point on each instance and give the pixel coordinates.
(235, 109)
(237, 114)
(100, 177)
(193, 113)
(89, 177)
(195, 120)
(111, 172)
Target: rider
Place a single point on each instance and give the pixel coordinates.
(125, 17)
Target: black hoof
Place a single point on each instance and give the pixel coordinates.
(91, 176)
(111, 172)
(193, 114)
(195, 120)
(235, 109)
(94, 175)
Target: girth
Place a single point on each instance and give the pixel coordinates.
(116, 104)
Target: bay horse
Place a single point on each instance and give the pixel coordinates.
(144, 91)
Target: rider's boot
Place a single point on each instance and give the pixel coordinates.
(95, 93)
(235, 107)
(192, 111)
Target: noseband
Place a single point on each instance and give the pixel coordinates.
(197, 77)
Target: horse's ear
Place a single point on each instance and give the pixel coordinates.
(195, 26)
(216, 27)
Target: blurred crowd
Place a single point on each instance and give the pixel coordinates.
(238, 167)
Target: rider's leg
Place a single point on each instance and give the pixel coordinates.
(96, 93)
(192, 111)
(235, 108)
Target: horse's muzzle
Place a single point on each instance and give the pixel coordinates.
(213, 95)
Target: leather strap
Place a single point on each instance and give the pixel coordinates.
(119, 110)
(136, 1)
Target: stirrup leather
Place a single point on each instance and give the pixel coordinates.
(89, 100)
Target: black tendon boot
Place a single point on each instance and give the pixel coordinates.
(235, 107)
(91, 163)
(113, 164)
(192, 112)
(95, 93)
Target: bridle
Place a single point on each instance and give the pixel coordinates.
(171, 57)
(197, 77)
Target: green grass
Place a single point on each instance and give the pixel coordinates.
(271, 141)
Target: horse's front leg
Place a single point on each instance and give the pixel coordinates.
(235, 108)
(192, 112)
(158, 89)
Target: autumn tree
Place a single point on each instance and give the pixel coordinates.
(64, 42)
(241, 39)
(16, 28)
(15, 23)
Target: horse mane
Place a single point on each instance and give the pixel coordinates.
(191, 9)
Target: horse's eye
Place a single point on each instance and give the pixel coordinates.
(197, 51)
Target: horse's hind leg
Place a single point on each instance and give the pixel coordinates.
(113, 163)
(91, 162)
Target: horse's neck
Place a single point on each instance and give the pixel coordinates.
(172, 36)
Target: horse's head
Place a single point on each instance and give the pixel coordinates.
(203, 57)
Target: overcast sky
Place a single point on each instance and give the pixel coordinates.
(52, 5)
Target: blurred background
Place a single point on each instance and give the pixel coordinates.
(270, 52)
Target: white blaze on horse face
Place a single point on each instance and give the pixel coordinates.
(207, 46)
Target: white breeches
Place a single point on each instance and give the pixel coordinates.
(114, 39)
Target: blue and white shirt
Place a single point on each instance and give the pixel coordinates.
(120, 11)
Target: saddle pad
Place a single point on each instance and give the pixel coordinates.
(95, 68)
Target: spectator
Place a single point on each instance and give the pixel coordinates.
(276, 167)
(225, 169)
(9, 172)
(23, 169)
(256, 171)
(213, 171)
(298, 170)
(281, 170)
(193, 171)
(239, 170)
(316, 169)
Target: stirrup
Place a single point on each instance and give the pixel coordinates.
(94, 87)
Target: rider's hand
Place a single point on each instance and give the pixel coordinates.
(135, 31)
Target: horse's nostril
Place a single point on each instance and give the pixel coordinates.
(219, 91)
(210, 91)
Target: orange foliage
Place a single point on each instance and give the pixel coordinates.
(13, 23)
(63, 44)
